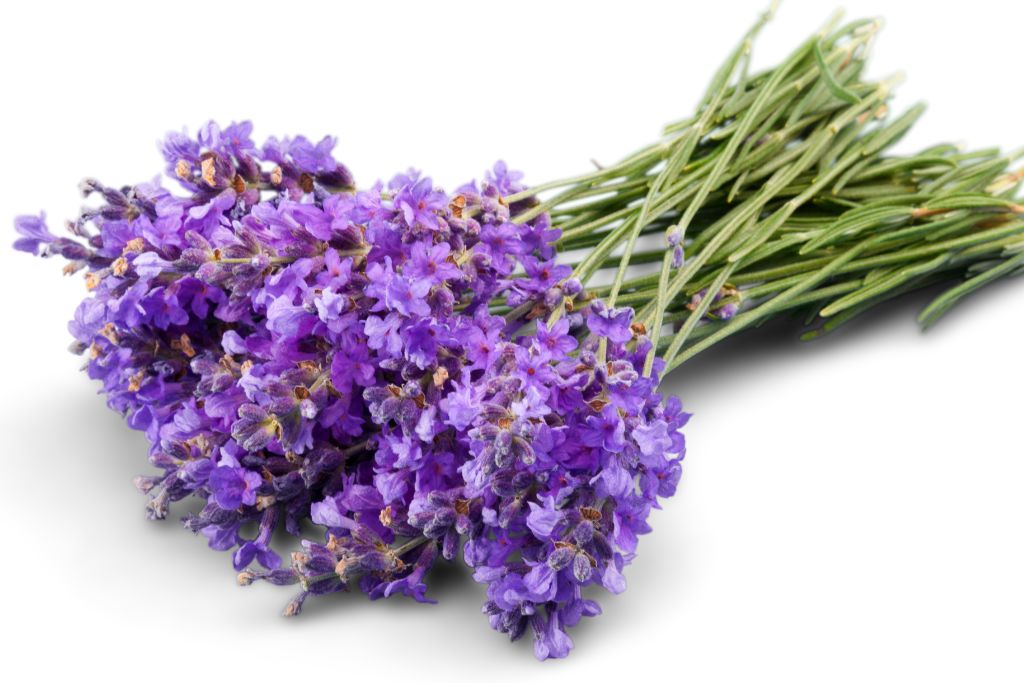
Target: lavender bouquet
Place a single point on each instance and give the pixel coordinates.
(400, 374)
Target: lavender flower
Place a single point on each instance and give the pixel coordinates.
(724, 304)
(297, 351)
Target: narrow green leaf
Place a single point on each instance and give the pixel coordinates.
(834, 86)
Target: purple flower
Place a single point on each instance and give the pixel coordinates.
(396, 293)
(412, 584)
(329, 514)
(177, 147)
(551, 640)
(605, 431)
(164, 309)
(257, 549)
(462, 405)
(420, 205)
(481, 345)
(337, 271)
(421, 343)
(330, 307)
(653, 439)
(555, 341)
(430, 263)
(233, 487)
(534, 369)
(352, 368)
(532, 406)
(237, 138)
(630, 519)
(543, 520)
(542, 275)
(311, 158)
(34, 233)
(255, 427)
(501, 242)
(717, 310)
(610, 323)
(506, 180)
(382, 334)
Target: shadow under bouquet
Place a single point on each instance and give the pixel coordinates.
(399, 375)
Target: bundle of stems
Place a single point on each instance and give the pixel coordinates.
(782, 193)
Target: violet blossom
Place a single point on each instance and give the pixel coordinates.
(297, 351)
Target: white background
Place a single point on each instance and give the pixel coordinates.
(851, 509)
